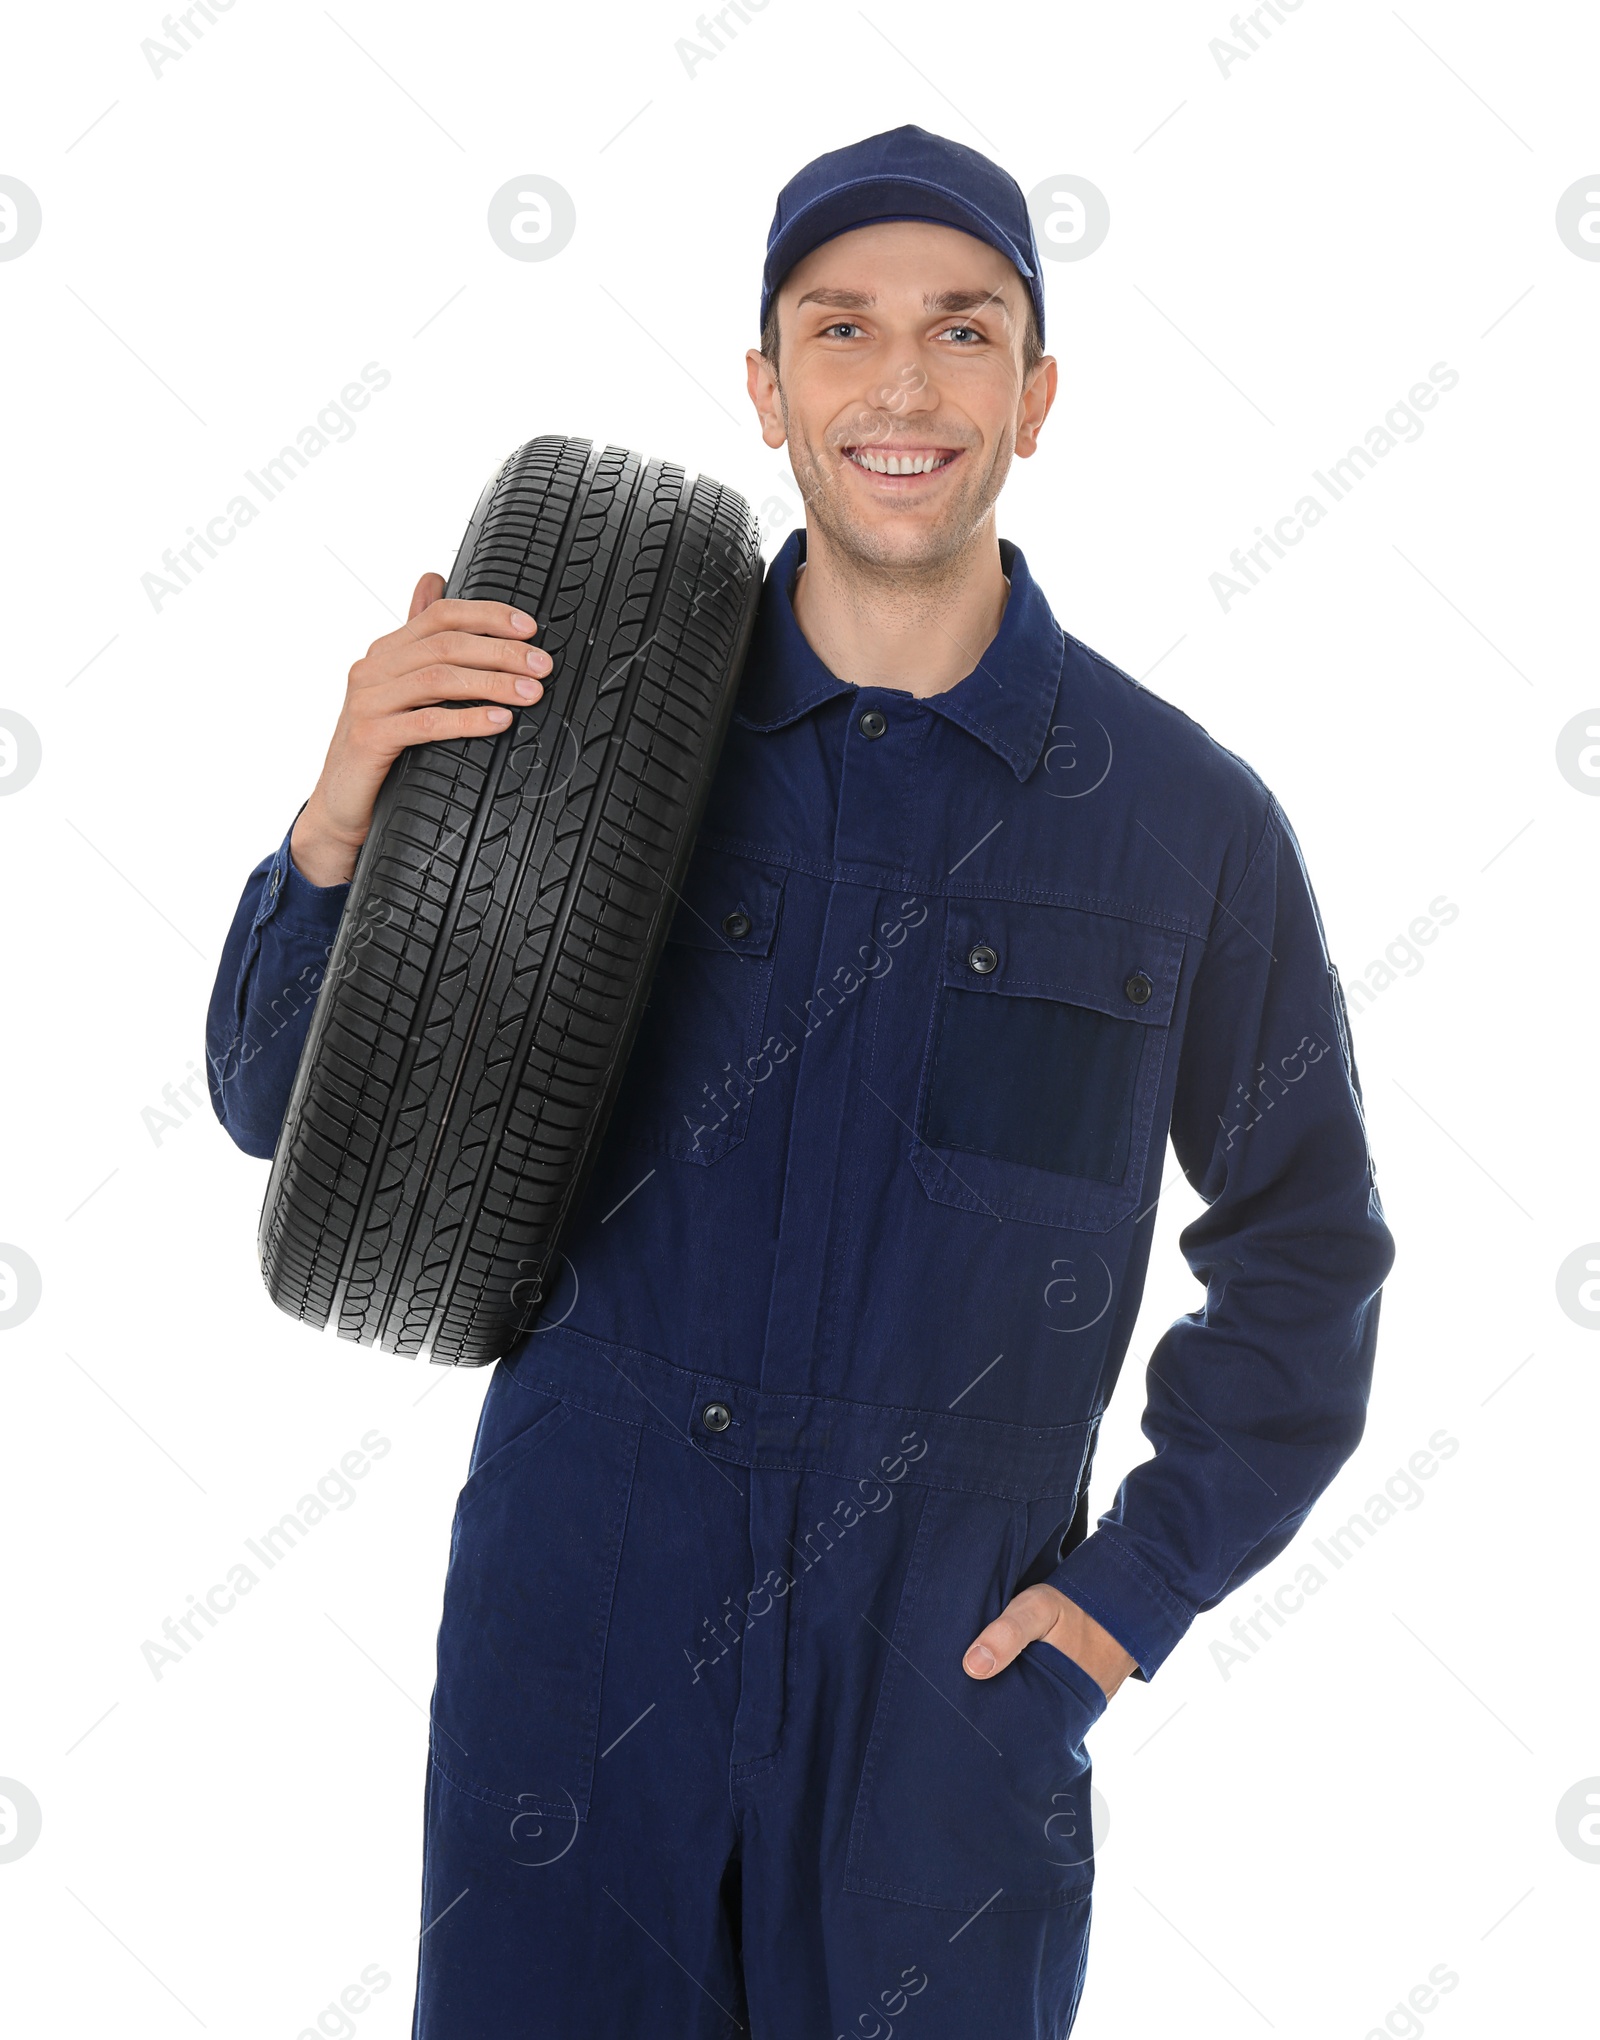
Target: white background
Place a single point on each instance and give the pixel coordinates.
(1292, 1847)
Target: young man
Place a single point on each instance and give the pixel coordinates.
(774, 1621)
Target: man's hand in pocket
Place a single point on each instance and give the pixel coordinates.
(1043, 1614)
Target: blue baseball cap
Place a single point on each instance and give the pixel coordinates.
(902, 174)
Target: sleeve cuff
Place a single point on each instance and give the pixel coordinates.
(1121, 1592)
(306, 908)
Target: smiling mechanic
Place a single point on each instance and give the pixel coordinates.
(776, 1724)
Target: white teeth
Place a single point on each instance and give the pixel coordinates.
(899, 464)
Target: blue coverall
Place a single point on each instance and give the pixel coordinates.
(817, 1389)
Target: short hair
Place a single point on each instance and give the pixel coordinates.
(1032, 341)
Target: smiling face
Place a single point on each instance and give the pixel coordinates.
(901, 389)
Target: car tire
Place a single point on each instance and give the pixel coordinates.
(506, 914)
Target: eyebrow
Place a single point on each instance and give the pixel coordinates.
(935, 302)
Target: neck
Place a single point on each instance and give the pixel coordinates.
(886, 626)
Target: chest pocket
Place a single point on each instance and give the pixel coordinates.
(1043, 1062)
(697, 1066)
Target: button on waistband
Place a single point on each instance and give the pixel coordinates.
(716, 1416)
(822, 1434)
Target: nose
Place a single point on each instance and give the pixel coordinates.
(909, 391)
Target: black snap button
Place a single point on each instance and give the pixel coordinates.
(873, 722)
(1138, 988)
(716, 1416)
(736, 924)
(982, 958)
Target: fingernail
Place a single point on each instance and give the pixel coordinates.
(499, 715)
(980, 1659)
(521, 620)
(539, 661)
(529, 689)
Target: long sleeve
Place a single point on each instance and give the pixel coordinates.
(261, 1004)
(1255, 1401)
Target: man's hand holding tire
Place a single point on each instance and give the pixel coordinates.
(400, 694)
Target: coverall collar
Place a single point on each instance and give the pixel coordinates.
(1006, 701)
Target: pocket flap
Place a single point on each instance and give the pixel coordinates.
(1125, 968)
(728, 903)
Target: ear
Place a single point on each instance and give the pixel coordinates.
(763, 387)
(1034, 407)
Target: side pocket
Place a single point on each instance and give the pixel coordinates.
(975, 1792)
(1069, 1830)
(527, 1603)
(513, 1422)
